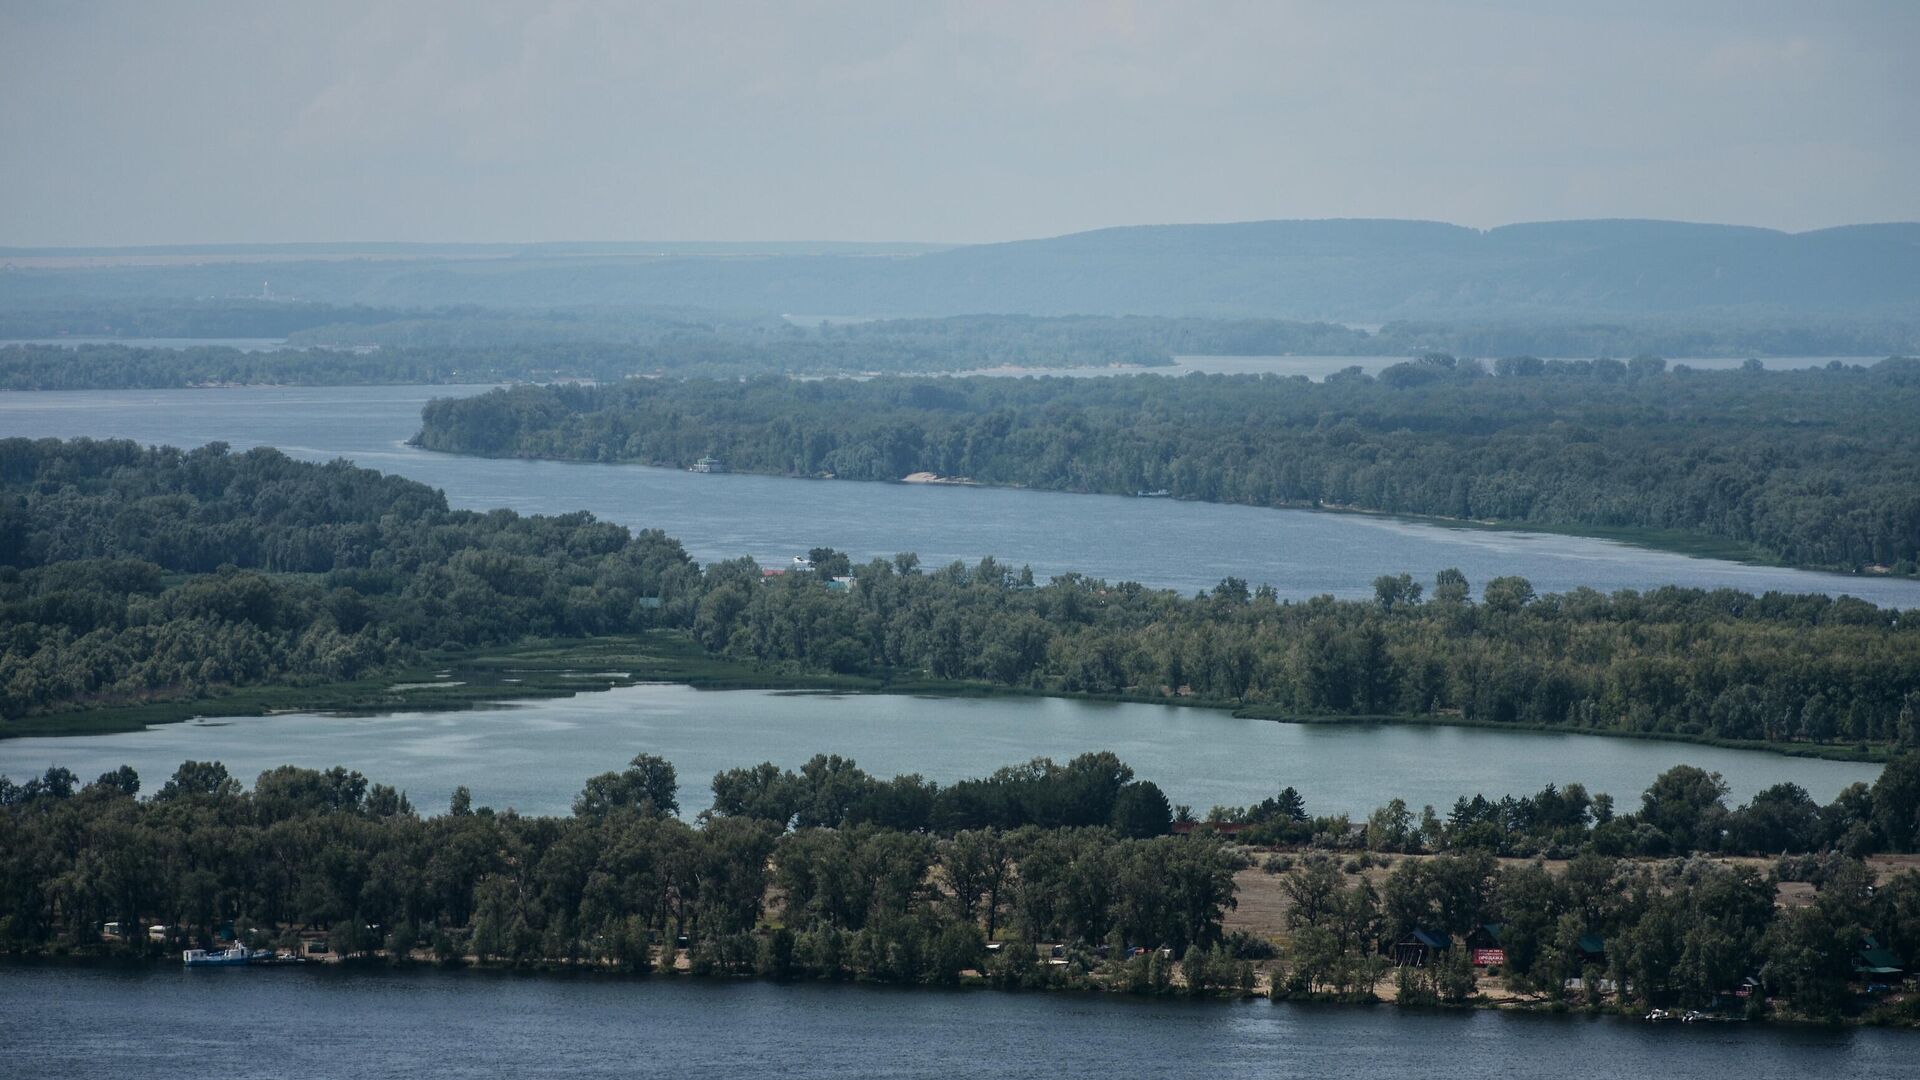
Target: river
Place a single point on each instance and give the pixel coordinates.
(165, 1023)
(168, 1022)
(534, 756)
(1159, 542)
(1319, 367)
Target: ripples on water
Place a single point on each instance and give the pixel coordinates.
(161, 1024)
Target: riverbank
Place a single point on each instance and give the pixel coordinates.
(488, 1023)
(1670, 541)
(463, 680)
(1053, 979)
(546, 669)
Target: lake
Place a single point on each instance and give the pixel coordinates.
(163, 1023)
(1160, 542)
(534, 756)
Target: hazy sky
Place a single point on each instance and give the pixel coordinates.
(258, 120)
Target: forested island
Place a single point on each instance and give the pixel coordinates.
(131, 576)
(336, 345)
(1814, 468)
(1040, 875)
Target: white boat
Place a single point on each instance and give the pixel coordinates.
(234, 956)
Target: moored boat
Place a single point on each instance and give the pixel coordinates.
(234, 956)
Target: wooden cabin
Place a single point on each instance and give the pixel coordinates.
(1420, 946)
(1485, 945)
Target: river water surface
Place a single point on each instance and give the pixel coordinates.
(534, 756)
(238, 1024)
(166, 1023)
(1160, 542)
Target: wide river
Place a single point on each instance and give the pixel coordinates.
(174, 1024)
(167, 1023)
(535, 756)
(1159, 542)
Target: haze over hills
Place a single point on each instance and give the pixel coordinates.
(1346, 269)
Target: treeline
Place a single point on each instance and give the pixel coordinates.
(835, 884)
(1692, 933)
(160, 319)
(131, 574)
(835, 898)
(1689, 662)
(1815, 468)
(126, 367)
(360, 345)
(1683, 812)
(1696, 335)
(484, 349)
(984, 340)
(345, 325)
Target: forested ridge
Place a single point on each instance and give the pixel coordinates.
(830, 873)
(130, 574)
(1814, 468)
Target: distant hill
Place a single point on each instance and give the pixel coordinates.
(1350, 270)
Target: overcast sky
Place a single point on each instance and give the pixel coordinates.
(256, 120)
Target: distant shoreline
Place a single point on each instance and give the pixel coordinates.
(973, 982)
(1672, 542)
(551, 669)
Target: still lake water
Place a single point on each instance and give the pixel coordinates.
(1182, 545)
(534, 756)
(168, 1023)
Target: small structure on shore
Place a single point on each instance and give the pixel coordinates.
(1420, 946)
(707, 465)
(1484, 943)
(1874, 962)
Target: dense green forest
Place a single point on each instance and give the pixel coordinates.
(131, 574)
(831, 873)
(1815, 468)
(1685, 662)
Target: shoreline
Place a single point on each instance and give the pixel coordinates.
(547, 669)
(1669, 541)
(1086, 985)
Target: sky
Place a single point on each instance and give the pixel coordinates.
(133, 122)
